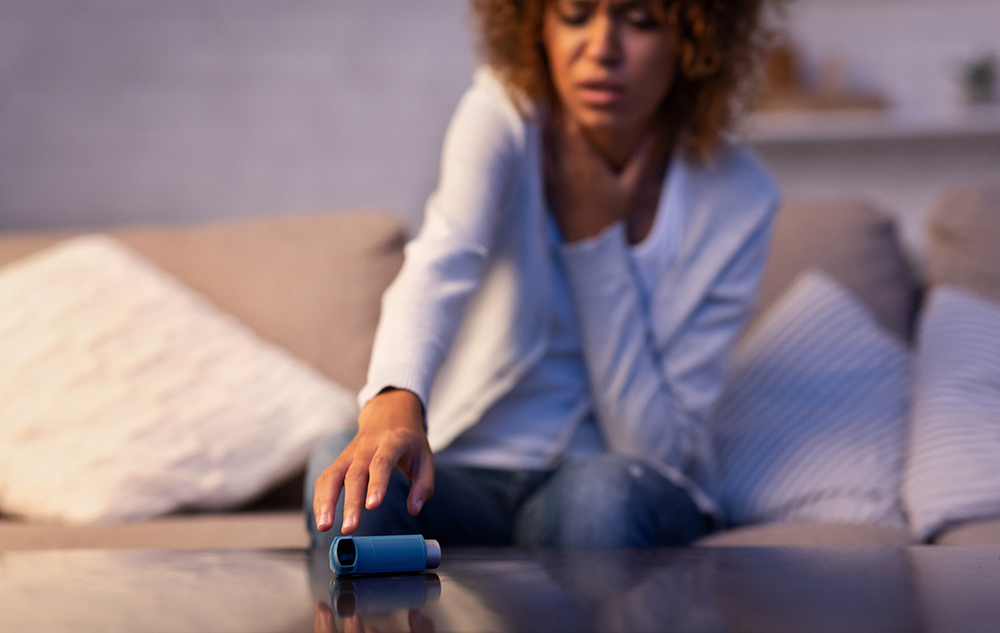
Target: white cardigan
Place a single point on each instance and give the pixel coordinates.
(468, 313)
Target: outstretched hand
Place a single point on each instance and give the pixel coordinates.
(390, 435)
(587, 193)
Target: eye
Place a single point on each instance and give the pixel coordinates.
(574, 12)
(642, 20)
(639, 15)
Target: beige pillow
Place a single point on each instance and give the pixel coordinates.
(854, 243)
(965, 241)
(124, 395)
(312, 283)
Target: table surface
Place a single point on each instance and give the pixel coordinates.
(861, 589)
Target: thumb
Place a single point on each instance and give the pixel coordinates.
(423, 483)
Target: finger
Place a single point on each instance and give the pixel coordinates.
(554, 141)
(584, 152)
(327, 491)
(550, 136)
(423, 483)
(574, 137)
(323, 620)
(551, 152)
(354, 624)
(380, 470)
(557, 120)
(355, 486)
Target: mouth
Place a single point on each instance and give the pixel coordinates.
(600, 92)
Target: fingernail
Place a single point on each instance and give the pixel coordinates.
(372, 499)
(419, 504)
(324, 520)
(349, 522)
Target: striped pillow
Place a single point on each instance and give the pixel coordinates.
(953, 471)
(811, 423)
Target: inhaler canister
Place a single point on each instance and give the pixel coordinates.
(383, 554)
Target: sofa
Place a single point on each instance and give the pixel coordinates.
(311, 285)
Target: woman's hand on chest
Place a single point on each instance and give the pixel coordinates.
(586, 192)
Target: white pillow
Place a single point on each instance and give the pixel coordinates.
(124, 395)
(953, 470)
(810, 426)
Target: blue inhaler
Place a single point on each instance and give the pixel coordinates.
(383, 554)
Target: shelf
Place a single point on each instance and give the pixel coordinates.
(780, 128)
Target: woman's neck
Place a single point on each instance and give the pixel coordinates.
(617, 146)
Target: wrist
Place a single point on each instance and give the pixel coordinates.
(393, 406)
(400, 395)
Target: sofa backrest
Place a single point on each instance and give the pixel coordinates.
(853, 242)
(309, 283)
(964, 241)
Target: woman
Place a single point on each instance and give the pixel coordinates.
(547, 356)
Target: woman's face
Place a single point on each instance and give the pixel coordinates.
(612, 62)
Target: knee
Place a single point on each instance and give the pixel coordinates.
(608, 501)
(606, 492)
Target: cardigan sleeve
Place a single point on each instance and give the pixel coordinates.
(443, 265)
(652, 391)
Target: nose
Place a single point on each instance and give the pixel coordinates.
(604, 40)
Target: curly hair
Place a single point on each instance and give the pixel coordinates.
(720, 45)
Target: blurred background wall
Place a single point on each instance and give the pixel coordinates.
(122, 111)
(913, 130)
(175, 110)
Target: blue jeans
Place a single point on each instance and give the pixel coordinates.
(604, 500)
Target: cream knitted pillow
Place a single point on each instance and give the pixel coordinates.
(124, 395)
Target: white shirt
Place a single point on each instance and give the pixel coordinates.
(548, 415)
(471, 311)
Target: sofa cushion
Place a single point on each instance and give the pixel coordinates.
(964, 247)
(245, 530)
(124, 395)
(984, 531)
(953, 469)
(808, 534)
(312, 283)
(854, 243)
(810, 425)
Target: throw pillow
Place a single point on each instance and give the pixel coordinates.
(810, 425)
(853, 242)
(953, 468)
(964, 232)
(124, 395)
